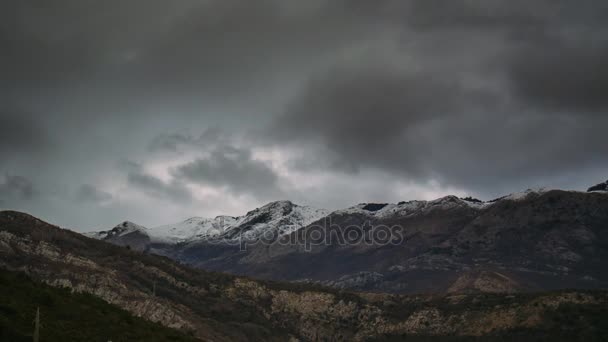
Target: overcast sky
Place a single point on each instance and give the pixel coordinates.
(155, 111)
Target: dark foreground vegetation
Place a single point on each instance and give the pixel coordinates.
(67, 316)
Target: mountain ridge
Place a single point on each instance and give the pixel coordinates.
(280, 217)
(202, 228)
(538, 239)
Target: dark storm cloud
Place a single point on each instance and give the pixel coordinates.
(173, 142)
(89, 193)
(371, 112)
(204, 47)
(425, 126)
(483, 96)
(20, 134)
(518, 100)
(219, 162)
(170, 142)
(16, 188)
(512, 16)
(234, 169)
(173, 191)
(554, 51)
(562, 74)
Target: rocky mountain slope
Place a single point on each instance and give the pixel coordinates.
(529, 241)
(276, 218)
(219, 307)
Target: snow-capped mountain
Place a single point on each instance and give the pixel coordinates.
(284, 217)
(410, 208)
(122, 229)
(275, 218)
(125, 234)
(531, 239)
(557, 233)
(192, 229)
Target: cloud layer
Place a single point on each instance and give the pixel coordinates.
(154, 111)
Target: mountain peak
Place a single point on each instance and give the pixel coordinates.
(192, 228)
(282, 217)
(599, 187)
(126, 233)
(126, 227)
(278, 205)
(448, 199)
(274, 209)
(129, 224)
(516, 196)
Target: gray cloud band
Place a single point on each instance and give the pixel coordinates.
(484, 96)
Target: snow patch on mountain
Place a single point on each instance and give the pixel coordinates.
(284, 217)
(192, 229)
(122, 229)
(276, 218)
(411, 207)
(518, 196)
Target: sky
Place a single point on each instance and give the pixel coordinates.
(155, 111)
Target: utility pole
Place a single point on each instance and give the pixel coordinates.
(37, 325)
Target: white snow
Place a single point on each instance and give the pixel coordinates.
(412, 207)
(192, 228)
(518, 196)
(282, 217)
(122, 229)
